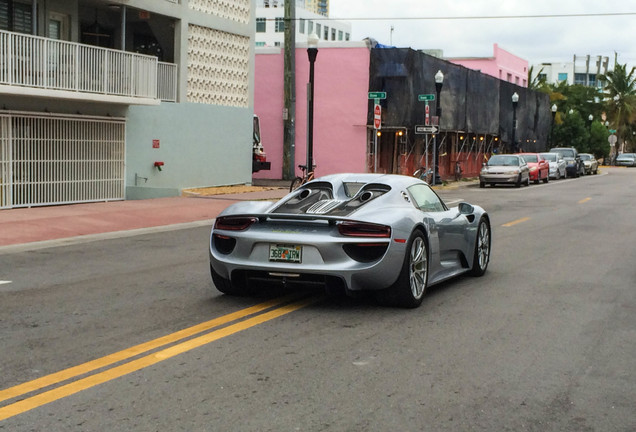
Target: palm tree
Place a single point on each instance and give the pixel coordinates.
(536, 82)
(620, 100)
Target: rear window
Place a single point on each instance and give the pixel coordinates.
(530, 158)
(552, 157)
(567, 152)
(505, 160)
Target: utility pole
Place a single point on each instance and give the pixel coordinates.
(289, 111)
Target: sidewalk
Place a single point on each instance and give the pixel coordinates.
(43, 226)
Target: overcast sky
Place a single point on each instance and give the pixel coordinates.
(542, 39)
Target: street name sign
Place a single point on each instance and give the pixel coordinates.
(425, 97)
(377, 95)
(419, 129)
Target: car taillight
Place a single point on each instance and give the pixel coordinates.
(361, 229)
(233, 223)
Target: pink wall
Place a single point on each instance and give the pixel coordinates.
(499, 66)
(340, 109)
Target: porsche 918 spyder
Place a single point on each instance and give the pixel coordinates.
(391, 234)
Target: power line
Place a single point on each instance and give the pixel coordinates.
(483, 17)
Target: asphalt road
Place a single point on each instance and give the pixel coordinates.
(129, 334)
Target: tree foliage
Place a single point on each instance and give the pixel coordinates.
(616, 104)
(620, 102)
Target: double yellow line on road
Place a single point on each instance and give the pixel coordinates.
(281, 308)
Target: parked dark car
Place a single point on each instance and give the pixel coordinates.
(573, 165)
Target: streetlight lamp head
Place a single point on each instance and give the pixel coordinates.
(312, 40)
(554, 108)
(590, 117)
(515, 97)
(439, 77)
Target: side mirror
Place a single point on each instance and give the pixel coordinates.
(465, 208)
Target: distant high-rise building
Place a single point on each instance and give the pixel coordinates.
(320, 7)
(270, 23)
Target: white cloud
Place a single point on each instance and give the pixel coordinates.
(540, 39)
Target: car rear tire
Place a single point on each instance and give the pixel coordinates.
(518, 184)
(481, 256)
(408, 291)
(226, 286)
(482, 184)
(546, 178)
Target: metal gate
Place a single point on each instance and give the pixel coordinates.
(59, 159)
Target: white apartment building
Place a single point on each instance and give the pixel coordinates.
(582, 70)
(123, 99)
(270, 24)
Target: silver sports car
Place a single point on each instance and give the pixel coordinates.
(390, 234)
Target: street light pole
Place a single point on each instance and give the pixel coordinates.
(312, 53)
(439, 82)
(515, 101)
(550, 137)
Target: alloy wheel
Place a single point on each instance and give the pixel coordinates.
(418, 267)
(483, 245)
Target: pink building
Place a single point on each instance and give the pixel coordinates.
(340, 108)
(503, 65)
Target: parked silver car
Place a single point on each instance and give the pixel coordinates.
(626, 159)
(505, 169)
(557, 165)
(390, 234)
(590, 163)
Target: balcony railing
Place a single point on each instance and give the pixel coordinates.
(167, 81)
(33, 61)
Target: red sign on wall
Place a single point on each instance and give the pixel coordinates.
(155, 143)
